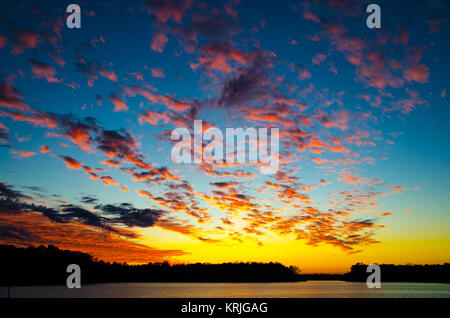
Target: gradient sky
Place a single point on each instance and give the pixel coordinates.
(86, 116)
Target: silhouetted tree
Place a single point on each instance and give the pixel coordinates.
(47, 265)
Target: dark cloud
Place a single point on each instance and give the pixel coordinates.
(34, 188)
(72, 212)
(222, 185)
(11, 97)
(118, 143)
(4, 136)
(89, 68)
(10, 199)
(8, 193)
(131, 216)
(88, 200)
(24, 39)
(211, 27)
(77, 130)
(16, 232)
(248, 86)
(43, 70)
(103, 216)
(167, 10)
(71, 163)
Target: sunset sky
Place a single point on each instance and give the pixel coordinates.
(86, 117)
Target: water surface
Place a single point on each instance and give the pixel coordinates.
(309, 289)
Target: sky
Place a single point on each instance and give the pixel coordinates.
(86, 116)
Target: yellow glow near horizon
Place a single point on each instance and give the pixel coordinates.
(310, 259)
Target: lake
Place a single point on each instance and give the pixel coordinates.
(309, 289)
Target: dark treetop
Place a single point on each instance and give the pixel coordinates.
(47, 265)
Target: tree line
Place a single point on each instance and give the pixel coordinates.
(47, 266)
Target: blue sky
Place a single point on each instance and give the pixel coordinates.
(362, 113)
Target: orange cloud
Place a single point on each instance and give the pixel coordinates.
(34, 229)
(109, 75)
(45, 149)
(23, 154)
(71, 163)
(119, 104)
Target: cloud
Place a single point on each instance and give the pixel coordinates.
(417, 73)
(91, 69)
(222, 57)
(129, 215)
(31, 229)
(435, 25)
(230, 10)
(45, 149)
(137, 75)
(350, 178)
(183, 227)
(4, 136)
(7, 192)
(71, 163)
(119, 104)
(249, 85)
(109, 75)
(43, 70)
(213, 27)
(102, 216)
(10, 97)
(35, 118)
(24, 39)
(107, 180)
(157, 72)
(307, 15)
(89, 200)
(120, 144)
(78, 131)
(302, 72)
(407, 105)
(3, 41)
(23, 154)
(397, 188)
(319, 58)
(86, 133)
(402, 37)
(159, 42)
(167, 10)
(340, 119)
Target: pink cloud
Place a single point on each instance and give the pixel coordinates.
(43, 70)
(2, 41)
(119, 104)
(157, 72)
(159, 42)
(307, 15)
(319, 58)
(24, 39)
(109, 75)
(417, 73)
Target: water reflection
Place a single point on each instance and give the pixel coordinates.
(310, 289)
